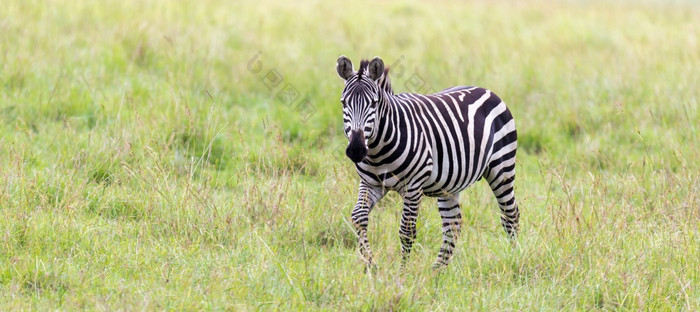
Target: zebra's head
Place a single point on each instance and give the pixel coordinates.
(360, 99)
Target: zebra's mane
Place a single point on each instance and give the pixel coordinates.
(363, 69)
(385, 83)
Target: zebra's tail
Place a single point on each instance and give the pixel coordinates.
(501, 180)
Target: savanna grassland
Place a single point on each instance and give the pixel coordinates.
(189, 155)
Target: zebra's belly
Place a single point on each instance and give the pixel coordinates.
(388, 177)
(393, 180)
(452, 178)
(443, 188)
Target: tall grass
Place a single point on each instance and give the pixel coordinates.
(148, 159)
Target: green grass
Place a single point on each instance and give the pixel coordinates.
(145, 163)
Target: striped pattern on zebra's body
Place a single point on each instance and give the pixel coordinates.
(435, 145)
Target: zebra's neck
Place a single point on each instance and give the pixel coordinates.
(388, 114)
(384, 83)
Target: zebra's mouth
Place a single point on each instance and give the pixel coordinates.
(357, 150)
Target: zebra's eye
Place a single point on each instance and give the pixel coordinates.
(343, 102)
(374, 104)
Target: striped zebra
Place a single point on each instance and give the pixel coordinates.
(425, 145)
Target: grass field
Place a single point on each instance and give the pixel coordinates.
(189, 155)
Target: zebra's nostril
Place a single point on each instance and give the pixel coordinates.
(356, 150)
(356, 154)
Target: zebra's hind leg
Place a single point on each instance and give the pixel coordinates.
(367, 197)
(451, 215)
(501, 179)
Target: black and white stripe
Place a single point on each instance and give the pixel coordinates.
(434, 145)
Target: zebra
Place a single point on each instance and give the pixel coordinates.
(419, 145)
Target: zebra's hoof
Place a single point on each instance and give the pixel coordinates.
(370, 268)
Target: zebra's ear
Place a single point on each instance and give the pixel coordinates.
(344, 67)
(376, 68)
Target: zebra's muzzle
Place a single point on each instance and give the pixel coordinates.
(356, 150)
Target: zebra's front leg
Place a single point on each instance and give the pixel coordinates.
(451, 215)
(407, 231)
(367, 197)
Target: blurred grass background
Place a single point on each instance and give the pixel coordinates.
(149, 158)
